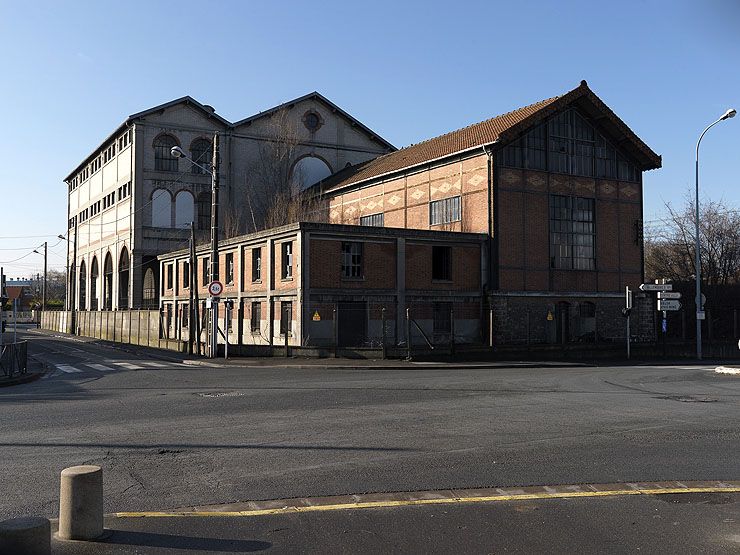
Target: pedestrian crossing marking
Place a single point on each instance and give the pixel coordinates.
(102, 367)
(155, 364)
(68, 369)
(128, 365)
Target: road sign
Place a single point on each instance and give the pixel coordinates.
(627, 298)
(656, 287)
(669, 295)
(316, 316)
(700, 315)
(669, 304)
(215, 288)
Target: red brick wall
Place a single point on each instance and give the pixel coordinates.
(465, 268)
(524, 232)
(379, 265)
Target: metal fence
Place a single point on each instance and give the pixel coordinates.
(14, 358)
(418, 326)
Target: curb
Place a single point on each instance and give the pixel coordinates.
(24, 378)
(416, 366)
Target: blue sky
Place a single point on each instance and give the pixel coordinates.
(73, 71)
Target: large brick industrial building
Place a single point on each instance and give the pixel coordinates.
(551, 194)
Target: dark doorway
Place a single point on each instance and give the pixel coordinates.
(562, 318)
(352, 324)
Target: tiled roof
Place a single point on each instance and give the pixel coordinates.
(474, 136)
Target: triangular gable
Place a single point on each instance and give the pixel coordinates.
(333, 107)
(188, 101)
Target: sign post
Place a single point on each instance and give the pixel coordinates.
(626, 312)
(215, 288)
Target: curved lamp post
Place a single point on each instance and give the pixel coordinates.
(699, 308)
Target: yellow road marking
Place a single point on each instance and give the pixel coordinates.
(437, 501)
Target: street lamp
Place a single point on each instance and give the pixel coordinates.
(177, 152)
(699, 308)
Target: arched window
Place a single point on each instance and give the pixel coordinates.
(123, 279)
(149, 292)
(161, 208)
(83, 289)
(204, 211)
(309, 170)
(201, 152)
(163, 159)
(108, 283)
(94, 273)
(184, 209)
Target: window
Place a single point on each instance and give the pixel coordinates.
(442, 263)
(287, 260)
(186, 274)
(163, 159)
(256, 319)
(351, 259)
(170, 275)
(184, 209)
(206, 272)
(572, 233)
(149, 291)
(201, 152)
(184, 316)
(442, 318)
(230, 267)
(161, 208)
(444, 211)
(286, 317)
(257, 264)
(373, 220)
(204, 211)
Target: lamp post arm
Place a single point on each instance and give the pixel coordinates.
(209, 172)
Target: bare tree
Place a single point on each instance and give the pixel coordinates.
(272, 191)
(669, 252)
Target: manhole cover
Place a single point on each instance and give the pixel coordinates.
(221, 394)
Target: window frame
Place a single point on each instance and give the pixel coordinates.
(373, 220)
(445, 211)
(255, 324)
(229, 263)
(286, 260)
(572, 229)
(352, 260)
(163, 159)
(286, 324)
(256, 264)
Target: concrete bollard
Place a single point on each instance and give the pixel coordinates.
(81, 503)
(25, 536)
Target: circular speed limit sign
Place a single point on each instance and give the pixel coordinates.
(215, 288)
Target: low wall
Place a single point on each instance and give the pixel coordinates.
(135, 327)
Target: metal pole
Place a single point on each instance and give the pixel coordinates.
(335, 330)
(2, 302)
(452, 331)
(697, 259)
(408, 334)
(15, 320)
(227, 312)
(383, 338)
(43, 295)
(191, 293)
(628, 337)
(214, 241)
(73, 304)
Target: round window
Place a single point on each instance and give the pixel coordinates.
(312, 121)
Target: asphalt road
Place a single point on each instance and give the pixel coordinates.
(171, 435)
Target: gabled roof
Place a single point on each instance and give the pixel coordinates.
(333, 107)
(500, 129)
(187, 100)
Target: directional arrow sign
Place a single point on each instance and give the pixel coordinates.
(669, 295)
(669, 305)
(656, 287)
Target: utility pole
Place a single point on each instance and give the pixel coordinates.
(191, 296)
(3, 298)
(73, 287)
(216, 161)
(43, 294)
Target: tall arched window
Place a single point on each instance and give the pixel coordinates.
(94, 273)
(308, 171)
(163, 159)
(184, 209)
(108, 283)
(83, 289)
(161, 208)
(123, 279)
(201, 152)
(204, 211)
(149, 291)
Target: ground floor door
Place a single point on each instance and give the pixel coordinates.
(352, 324)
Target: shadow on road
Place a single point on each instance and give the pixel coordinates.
(149, 539)
(265, 446)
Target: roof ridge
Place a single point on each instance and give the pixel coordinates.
(547, 100)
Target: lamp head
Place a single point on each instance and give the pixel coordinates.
(177, 152)
(729, 114)
(61, 236)
(37, 252)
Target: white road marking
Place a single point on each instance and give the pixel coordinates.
(128, 365)
(727, 370)
(102, 367)
(68, 369)
(155, 364)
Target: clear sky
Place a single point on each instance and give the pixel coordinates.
(73, 71)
